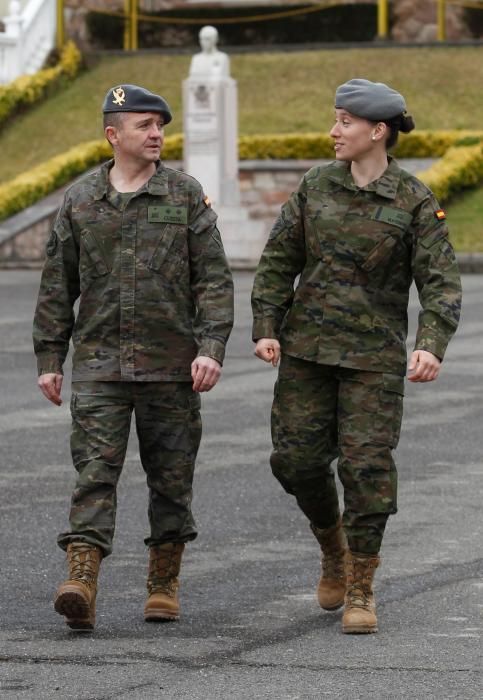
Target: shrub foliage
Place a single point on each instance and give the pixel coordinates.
(460, 166)
(29, 89)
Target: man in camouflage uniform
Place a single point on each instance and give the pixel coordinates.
(137, 243)
(357, 231)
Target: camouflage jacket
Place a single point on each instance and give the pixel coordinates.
(357, 251)
(154, 285)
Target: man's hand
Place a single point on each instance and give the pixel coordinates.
(205, 372)
(268, 349)
(51, 385)
(423, 366)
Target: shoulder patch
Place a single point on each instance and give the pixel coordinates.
(440, 214)
(52, 244)
(207, 201)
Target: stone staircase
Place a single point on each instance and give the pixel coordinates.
(29, 36)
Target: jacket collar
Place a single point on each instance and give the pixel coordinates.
(157, 183)
(384, 186)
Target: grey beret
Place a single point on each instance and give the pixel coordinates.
(132, 98)
(374, 101)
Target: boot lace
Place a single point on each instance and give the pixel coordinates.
(83, 563)
(359, 585)
(163, 570)
(333, 566)
(333, 545)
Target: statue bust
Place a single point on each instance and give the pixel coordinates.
(209, 63)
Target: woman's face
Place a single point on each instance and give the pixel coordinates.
(352, 136)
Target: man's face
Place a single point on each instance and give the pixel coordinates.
(207, 40)
(139, 136)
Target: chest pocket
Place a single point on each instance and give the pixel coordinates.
(379, 253)
(323, 219)
(170, 250)
(377, 236)
(93, 259)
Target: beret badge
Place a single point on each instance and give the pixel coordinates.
(119, 96)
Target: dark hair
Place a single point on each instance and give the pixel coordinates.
(403, 122)
(113, 119)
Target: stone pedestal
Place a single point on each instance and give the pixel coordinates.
(211, 137)
(211, 156)
(243, 238)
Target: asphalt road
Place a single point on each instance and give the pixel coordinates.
(250, 626)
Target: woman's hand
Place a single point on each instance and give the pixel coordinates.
(268, 349)
(423, 366)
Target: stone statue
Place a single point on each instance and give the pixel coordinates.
(209, 63)
(210, 147)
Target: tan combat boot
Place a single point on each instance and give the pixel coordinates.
(333, 545)
(164, 566)
(360, 608)
(76, 597)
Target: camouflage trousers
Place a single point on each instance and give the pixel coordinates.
(168, 426)
(321, 413)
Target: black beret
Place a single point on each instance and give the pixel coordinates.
(132, 98)
(374, 101)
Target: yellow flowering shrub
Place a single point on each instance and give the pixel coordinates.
(285, 146)
(28, 89)
(461, 165)
(418, 144)
(173, 147)
(27, 188)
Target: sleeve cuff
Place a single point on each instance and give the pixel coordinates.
(49, 365)
(210, 347)
(266, 327)
(427, 340)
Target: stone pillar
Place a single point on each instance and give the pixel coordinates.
(13, 21)
(210, 115)
(210, 137)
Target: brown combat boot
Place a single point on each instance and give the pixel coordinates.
(360, 608)
(76, 597)
(164, 566)
(333, 545)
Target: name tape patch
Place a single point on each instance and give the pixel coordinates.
(167, 214)
(395, 217)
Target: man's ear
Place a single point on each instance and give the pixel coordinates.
(110, 132)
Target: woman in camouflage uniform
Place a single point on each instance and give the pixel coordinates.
(358, 232)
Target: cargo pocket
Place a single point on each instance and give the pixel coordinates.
(389, 415)
(440, 249)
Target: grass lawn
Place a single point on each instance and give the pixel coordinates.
(465, 221)
(277, 92)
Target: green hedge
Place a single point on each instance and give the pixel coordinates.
(29, 89)
(461, 165)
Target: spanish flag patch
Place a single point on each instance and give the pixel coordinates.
(440, 214)
(207, 201)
